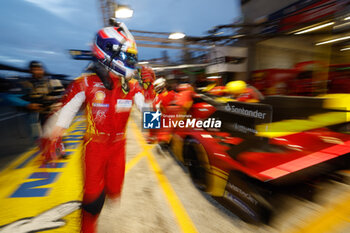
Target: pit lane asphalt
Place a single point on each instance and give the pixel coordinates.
(146, 206)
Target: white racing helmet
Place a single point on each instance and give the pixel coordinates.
(115, 48)
(159, 85)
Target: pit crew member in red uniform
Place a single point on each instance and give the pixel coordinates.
(243, 92)
(148, 77)
(164, 98)
(175, 105)
(163, 102)
(108, 96)
(184, 97)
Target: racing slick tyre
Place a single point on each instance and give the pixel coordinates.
(196, 160)
(244, 201)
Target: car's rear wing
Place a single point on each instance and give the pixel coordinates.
(293, 114)
(278, 115)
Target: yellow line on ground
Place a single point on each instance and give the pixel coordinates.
(179, 211)
(330, 220)
(184, 220)
(134, 161)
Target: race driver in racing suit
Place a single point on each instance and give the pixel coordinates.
(108, 95)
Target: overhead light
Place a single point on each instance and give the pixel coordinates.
(123, 12)
(314, 28)
(213, 77)
(176, 35)
(218, 33)
(143, 62)
(237, 36)
(341, 25)
(344, 49)
(334, 40)
(179, 66)
(347, 18)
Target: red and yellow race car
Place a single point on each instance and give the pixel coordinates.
(261, 148)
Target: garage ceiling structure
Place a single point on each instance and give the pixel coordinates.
(160, 39)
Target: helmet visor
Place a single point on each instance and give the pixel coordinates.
(129, 59)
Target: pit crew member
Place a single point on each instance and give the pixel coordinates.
(243, 92)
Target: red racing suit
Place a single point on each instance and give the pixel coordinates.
(163, 100)
(107, 113)
(149, 94)
(165, 103)
(250, 94)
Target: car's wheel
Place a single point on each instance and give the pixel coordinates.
(245, 201)
(196, 161)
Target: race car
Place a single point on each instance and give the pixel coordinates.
(263, 148)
